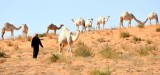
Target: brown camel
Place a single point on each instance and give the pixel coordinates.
(53, 27)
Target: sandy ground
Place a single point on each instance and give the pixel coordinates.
(19, 61)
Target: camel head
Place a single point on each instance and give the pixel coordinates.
(145, 21)
(72, 20)
(107, 18)
(92, 19)
(61, 25)
(75, 37)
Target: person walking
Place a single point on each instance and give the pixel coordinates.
(35, 45)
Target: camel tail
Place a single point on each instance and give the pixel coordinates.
(157, 19)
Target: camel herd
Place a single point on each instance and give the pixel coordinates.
(66, 37)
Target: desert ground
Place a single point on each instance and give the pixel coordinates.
(136, 54)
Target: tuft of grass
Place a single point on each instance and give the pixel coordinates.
(108, 52)
(9, 43)
(16, 47)
(80, 43)
(29, 38)
(141, 26)
(19, 37)
(149, 41)
(145, 50)
(54, 58)
(158, 29)
(124, 34)
(42, 35)
(2, 54)
(99, 72)
(101, 40)
(83, 50)
(136, 39)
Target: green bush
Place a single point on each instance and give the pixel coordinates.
(99, 72)
(54, 58)
(42, 35)
(2, 54)
(135, 39)
(83, 50)
(145, 50)
(101, 40)
(141, 26)
(108, 52)
(124, 34)
(158, 29)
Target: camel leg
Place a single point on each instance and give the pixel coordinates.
(26, 36)
(60, 48)
(3, 35)
(103, 26)
(83, 28)
(150, 21)
(129, 24)
(69, 49)
(121, 22)
(12, 35)
(54, 32)
(77, 27)
(157, 20)
(47, 31)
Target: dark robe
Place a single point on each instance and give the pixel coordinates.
(35, 45)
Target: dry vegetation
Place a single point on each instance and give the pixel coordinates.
(126, 51)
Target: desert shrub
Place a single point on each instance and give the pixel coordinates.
(136, 39)
(9, 43)
(158, 29)
(82, 50)
(124, 34)
(149, 41)
(42, 35)
(2, 54)
(100, 40)
(19, 37)
(80, 43)
(99, 72)
(16, 47)
(54, 58)
(145, 50)
(29, 38)
(108, 52)
(140, 26)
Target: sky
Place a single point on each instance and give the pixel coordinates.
(38, 14)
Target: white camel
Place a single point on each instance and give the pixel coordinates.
(128, 16)
(101, 20)
(54, 27)
(9, 27)
(79, 22)
(24, 31)
(67, 38)
(88, 24)
(152, 16)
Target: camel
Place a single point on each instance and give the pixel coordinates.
(9, 27)
(128, 16)
(53, 27)
(67, 38)
(79, 22)
(101, 20)
(152, 16)
(88, 24)
(24, 31)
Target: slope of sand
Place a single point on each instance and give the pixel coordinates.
(19, 60)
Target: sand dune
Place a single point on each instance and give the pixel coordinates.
(129, 61)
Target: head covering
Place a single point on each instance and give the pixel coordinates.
(36, 35)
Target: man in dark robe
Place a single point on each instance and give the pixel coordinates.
(35, 45)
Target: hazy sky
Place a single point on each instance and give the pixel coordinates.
(38, 14)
